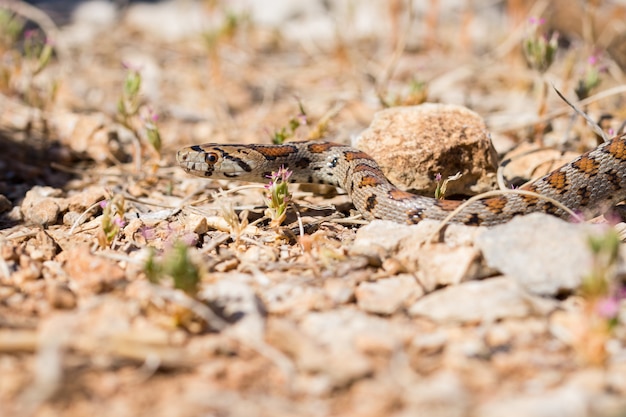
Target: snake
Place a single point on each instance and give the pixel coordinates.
(589, 185)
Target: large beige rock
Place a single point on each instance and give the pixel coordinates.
(413, 144)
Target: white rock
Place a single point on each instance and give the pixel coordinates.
(386, 296)
(169, 20)
(570, 401)
(440, 265)
(543, 253)
(475, 301)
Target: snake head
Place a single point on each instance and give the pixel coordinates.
(215, 161)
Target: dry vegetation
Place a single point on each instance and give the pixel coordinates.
(128, 287)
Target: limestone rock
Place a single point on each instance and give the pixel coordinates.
(432, 139)
(386, 296)
(475, 301)
(543, 253)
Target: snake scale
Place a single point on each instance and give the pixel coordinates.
(590, 185)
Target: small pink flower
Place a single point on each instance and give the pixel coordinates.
(593, 60)
(119, 222)
(189, 239)
(148, 233)
(131, 67)
(104, 204)
(608, 307)
(29, 34)
(438, 177)
(536, 20)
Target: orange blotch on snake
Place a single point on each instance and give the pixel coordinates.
(587, 165)
(272, 152)
(369, 181)
(353, 155)
(448, 205)
(495, 205)
(617, 148)
(558, 181)
(321, 147)
(368, 169)
(530, 200)
(399, 195)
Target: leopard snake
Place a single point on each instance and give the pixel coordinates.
(590, 185)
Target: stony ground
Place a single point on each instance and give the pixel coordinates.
(128, 287)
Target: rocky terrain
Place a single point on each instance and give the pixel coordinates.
(130, 288)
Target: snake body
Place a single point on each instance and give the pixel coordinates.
(590, 185)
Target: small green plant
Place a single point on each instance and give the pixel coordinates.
(140, 119)
(176, 264)
(25, 54)
(112, 220)
(128, 104)
(600, 288)
(440, 190)
(152, 130)
(11, 27)
(287, 132)
(591, 77)
(278, 197)
(540, 52)
(37, 49)
(232, 23)
(602, 294)
(539, 49)
(236, 223)
(417, 94)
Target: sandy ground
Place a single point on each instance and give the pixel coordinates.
(100, 228)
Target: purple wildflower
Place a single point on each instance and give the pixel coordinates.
(536, 20)
(608, 307)
(119, 222)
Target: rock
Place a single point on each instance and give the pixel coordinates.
(94, 135)
(543, 253)
(60, 296)
(232, 300)
(441, 265)
(347, 337)
(436, 264)
(40, 205)
(441, 394)
(569, 401)
(340, 291)
(169, 21)
(432, 139)
(5, 204)
(386, 296)
(86, 198)
(475, 301)
(380, 238)
(429, 343)
(302, 349)
(91, 274)
(616, 378)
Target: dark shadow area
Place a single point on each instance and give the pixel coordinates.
(27, 161)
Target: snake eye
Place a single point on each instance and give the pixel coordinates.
(211, 158)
